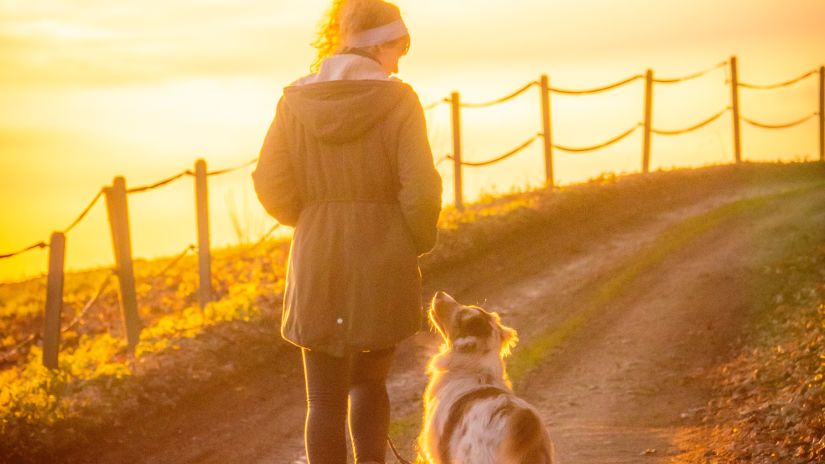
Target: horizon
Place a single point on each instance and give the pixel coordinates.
(109, 89)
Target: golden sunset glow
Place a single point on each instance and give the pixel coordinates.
(95, 89)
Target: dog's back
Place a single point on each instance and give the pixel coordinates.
(496, 429)
(526, 441)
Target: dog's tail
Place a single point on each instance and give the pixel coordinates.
(527, 440)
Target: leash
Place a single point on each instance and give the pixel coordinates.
(396, 453)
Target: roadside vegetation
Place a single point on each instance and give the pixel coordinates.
(770, 397)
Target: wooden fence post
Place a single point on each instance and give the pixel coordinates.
(822, 113)
(455, 101)
(118, 209)
(734, 92)
(546, 130)
(54, 300)
(204, 256)
(648, 121)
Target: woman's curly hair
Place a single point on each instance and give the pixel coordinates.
(345, 17)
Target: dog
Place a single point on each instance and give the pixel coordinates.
(471, 415)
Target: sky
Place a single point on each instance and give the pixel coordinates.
(93, 89)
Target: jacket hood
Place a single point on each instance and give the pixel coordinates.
(342, 110)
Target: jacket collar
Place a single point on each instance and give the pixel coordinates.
(359, 52)
(346, 66)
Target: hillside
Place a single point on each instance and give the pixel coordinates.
(585, 273)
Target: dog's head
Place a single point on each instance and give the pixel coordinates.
(470, 329)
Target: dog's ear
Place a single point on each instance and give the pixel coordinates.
(442, 298)
(508, 336)
(442, 306)
(509, 340)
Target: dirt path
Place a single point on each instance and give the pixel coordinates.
(625, 378)
(628, 387)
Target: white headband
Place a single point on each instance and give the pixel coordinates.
(378, 35)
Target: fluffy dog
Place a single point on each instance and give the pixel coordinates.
(471, 415)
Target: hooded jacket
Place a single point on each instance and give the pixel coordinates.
(347, 162)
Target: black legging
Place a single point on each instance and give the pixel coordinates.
(329, 380)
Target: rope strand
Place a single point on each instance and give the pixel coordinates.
(781, 84)
(158, 184)
(265, 236)
(598, 89)
(27, 341)
(691, 76)
(236, 168)
(693, 127)
(443, 159)
(85, 211)
(502, 157)
(188, 172)
(43, 244)
(175, 261)
(90, 303)
(500, 100)
(779, 126)
(31, 247)
(601, 145)
(33, 337)
(435, 104)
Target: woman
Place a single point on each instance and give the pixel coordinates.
(347, 163)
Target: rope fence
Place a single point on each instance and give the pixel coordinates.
(159, 184)
(264, 237)
(116, 195)
(597, 89)
(780, 84)
(613, 140)
(228, 170)
(646, 125)
(35, 336)
(780, 126)
(435, 104)
(43, 244)
(145, 188)
(116, 204)
(705, 72)
(189, 172)
(502, 157)
(175, 261)
(89, 304)
(28, 248)
(693, 127)
(85, 212)
(500, 100)
(443, 159)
